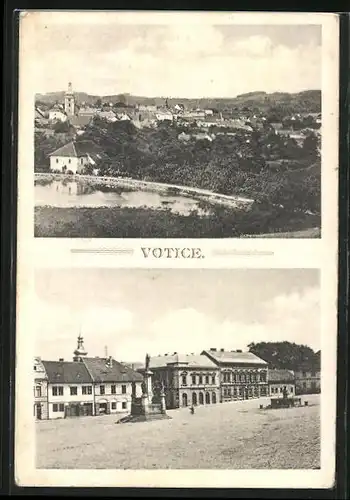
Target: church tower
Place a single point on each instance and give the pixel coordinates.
(80, 351)
(69, 101)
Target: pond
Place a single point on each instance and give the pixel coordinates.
(63, 193)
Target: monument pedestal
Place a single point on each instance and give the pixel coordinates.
(142, 409)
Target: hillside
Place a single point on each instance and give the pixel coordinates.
(306, 101)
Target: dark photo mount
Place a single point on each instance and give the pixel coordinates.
(8, 301)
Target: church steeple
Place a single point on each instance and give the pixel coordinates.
(80, 351)
(69, 101)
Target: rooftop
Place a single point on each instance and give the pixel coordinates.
(233, 357)
(66, 372)
(175, 359)
(110, 370)
(76, 149)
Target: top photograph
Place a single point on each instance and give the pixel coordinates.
(175, 130)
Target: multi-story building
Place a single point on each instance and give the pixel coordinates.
(69, 389)
(281, 382)
(308, 376)
(187, 379)
(85, 386)
(113, 384)
(243, 375)
(40, 388)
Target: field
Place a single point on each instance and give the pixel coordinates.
(235, 435)
(116, 222)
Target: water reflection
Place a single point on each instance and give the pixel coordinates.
(65, 193)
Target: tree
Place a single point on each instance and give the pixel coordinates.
(284, 355)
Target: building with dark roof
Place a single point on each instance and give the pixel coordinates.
(75, 156)
(69, 389)
(113, 384)
(85, 386)
(187, 379)
(281, 382)
(243, 375)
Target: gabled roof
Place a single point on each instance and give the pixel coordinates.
(76, 149)
(181, 360)
(110, 370)
(281, 376)
(234, 357)
(66, 372)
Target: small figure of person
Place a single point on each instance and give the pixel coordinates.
(192, 410)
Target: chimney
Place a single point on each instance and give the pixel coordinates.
(239, 350)
(222, 350)
(212, 349)
(166, 354)
(61, 360)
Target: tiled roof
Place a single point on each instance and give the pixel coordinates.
(66, 372)
(76, 149)
(281, 376)
(189, 360)
(102, 371)
(234, 357)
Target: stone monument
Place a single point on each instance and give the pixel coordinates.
(144, 409)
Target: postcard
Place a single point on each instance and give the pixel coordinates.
(177, 249)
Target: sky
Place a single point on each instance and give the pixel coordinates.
(139, 311)
(102, 56)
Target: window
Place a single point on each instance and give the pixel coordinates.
(113, 389)
(69, 160)
(55, 407)
(57, 391)
(56, 160)
(61, 407)
(124, 405)
(81, 160)
(304, 385)
(183, 379)
(207, 379)
(102, 389)
(200, 379)
(213, 379)
(113, 406)
(38, 391)
(193, 379)
(291, 390)
(263, 376)
(74, 390)
(87, 389)
(123, 389)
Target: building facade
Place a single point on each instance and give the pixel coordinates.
(73, 157)
(281, 382)
(84, 387)
(187, 379)
(242, 375)
(308, 376)
(308, 381)
(40, 388)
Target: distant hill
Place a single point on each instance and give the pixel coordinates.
(306, 101)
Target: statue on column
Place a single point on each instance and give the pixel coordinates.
(147, 361)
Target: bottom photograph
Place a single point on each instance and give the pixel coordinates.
(177, 368)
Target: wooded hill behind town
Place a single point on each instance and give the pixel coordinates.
(306, 101)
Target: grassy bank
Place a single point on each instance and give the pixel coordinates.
(116, 222)
(224, 436)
